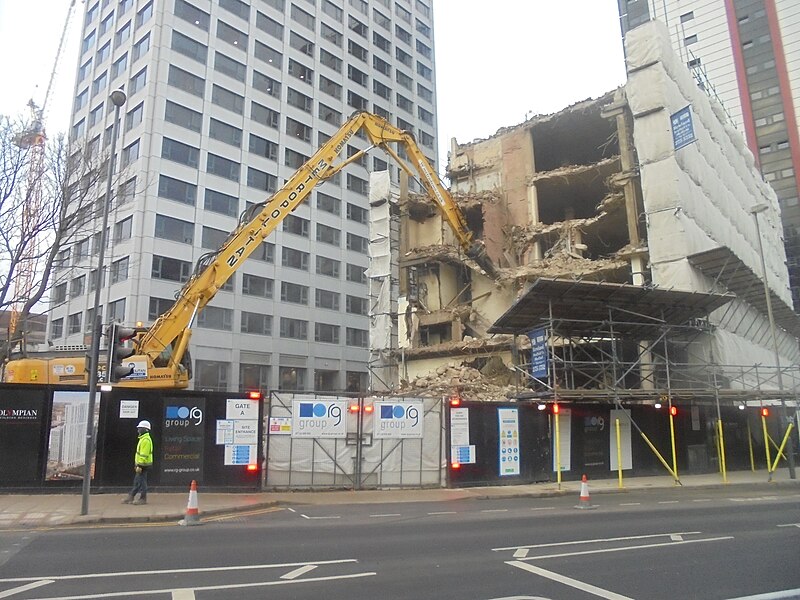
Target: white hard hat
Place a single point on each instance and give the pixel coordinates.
(143, 425)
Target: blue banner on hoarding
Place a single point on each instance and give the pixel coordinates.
(682, 128)
(538, 339)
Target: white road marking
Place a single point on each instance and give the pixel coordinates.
(630, 504)
(291, 509)
(233, 586)
(179, 571)
(521, 553)
(331, 517)
(521, 598)
(297, 572)
(182, 594)
(585, 587)
(385, 515)
(702, 500)
(491, 510)
(444, 512)
(772, 595)
(25, 588)
(615, 539)
(676, 538)
(790, 525)
(544, 508)
(622, 548)
(669, 501)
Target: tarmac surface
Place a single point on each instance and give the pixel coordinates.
(38, 511)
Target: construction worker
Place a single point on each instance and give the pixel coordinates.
(143, 460)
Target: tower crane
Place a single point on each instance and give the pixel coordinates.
(33, 139)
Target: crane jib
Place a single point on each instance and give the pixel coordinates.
(277, 214)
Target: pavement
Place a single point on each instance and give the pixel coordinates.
(49, 511)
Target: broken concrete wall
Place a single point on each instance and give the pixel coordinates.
(698, 197)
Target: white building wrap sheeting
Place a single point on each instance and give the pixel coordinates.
(699, 197)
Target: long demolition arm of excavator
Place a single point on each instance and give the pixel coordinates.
(161, 348)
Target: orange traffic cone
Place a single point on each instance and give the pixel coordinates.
(192, 512)
(584, 500)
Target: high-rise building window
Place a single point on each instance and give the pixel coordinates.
(175, 189)
(329, 33)
(262, 114)
(141, 47)
(237, 7)
(253, 285)
(211, 375)
(186, 81)
(266, 84)
(224, 167)
(177, 230)
(185, 45)
(227, 99)
(269, 26)
(225, 133)
(296, 225)
(260, 180)
(296, 259)
(263, 147)
(221, 203)
(294, 328)
(171, 269)
(328, 266)
(230, 67)
(180, 152)
(216, 317)
(294, 293)
(326, 299)
(191, 14)
(212, 238)
(230, 34)
(256, 323)
(325, 333)
(183, 116)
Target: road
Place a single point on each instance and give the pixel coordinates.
(653, 544)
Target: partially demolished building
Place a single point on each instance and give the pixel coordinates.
(610, 192)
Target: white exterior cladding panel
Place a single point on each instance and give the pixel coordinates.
(789, 23)
(415, 18)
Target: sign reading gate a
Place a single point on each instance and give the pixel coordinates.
(319, 418)
(398, 420)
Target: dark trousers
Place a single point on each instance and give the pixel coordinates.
(140, 484)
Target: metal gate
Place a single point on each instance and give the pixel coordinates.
(370, 448)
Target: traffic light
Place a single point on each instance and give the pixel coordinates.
(673, 410)
(556, 409)
(765, 412)
(117, 352)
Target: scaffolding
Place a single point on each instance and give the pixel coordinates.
(609, 342)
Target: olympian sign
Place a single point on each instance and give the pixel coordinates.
(398, 420)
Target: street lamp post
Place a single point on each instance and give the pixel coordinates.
(755, 210)
(117, 98)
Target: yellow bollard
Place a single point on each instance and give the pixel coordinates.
(722, 453)
(764, 414)
(750, 444)
(619, 454)
(672, 412)
(780, 450)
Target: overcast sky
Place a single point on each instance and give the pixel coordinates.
(494, 65)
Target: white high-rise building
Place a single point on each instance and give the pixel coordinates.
(225, 100)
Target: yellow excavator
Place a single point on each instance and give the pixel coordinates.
(159, 355)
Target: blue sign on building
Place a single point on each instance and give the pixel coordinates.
(538, 339)
(682, 128)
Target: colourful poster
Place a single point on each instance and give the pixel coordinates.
(508, 451)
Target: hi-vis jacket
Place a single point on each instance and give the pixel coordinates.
(144, 450)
